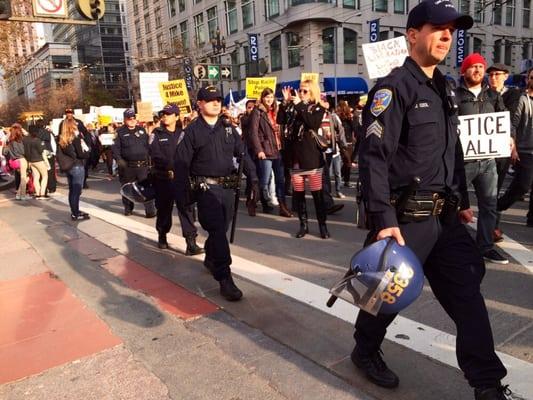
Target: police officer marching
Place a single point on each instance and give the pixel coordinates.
(163, 145)
(204, 161)
(410, 131)
(131, 152)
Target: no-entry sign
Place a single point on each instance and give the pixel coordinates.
(50, 8)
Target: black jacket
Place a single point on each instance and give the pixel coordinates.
(74, 150)
(163, 148)
(488, 101)
(33, 149)
(131, 144)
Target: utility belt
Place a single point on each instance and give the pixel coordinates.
(163, 174)
(204, 182)
(137, 164)
(422, 206)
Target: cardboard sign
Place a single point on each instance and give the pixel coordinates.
(175, 92)
(149, 85)
(309, 76)
(485, 135)
(382, 57)
(107, 139)
(145, 111)
(254, 86)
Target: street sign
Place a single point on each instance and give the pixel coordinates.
(200, 71)
(50, 8)
(225, 72)
(213, 72)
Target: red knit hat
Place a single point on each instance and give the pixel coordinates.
(474, 58)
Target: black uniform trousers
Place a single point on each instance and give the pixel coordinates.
(454, 269)
(215, 212)
(135, 174)
(164, 203)
(52, 179)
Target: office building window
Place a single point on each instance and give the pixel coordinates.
(525, 51)
(508, 56)
(184, 35)
(247, 13)
(464, 6)
(350, 46)
(383, 35)
(145, 4)
(497, 11)
(172, 8)
(328, 46)
(498, 51)
(379, 5)
(147, 24)
(212, 22)
(173, 34)
(135, 7)
(509, 13)
(199, 32)
(160, 44)
(293, 49)
(138, 29)
(197, 1)
(478, 45)
(275, 54)
(149, 48)
(181, 6)
(526, 13)
(272, 8)
(351, 4)
(231, 16)
(157, 14)
(401, 6)
(479, 10)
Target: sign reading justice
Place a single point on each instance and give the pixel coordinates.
(485, 135)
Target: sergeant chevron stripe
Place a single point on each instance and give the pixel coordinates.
(375, 128)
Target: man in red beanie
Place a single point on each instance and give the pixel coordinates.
(476, 97)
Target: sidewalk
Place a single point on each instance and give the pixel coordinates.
(90, 311)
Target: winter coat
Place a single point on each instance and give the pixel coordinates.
(33, 149)
(262, 134)
(522, 121)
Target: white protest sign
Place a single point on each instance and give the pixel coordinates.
(382, 57)
(107, 139)
(485, 135)
(149, 85)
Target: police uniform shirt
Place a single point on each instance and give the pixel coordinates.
(209, 150)
(163, 148)
(131, 144)
(409, 129)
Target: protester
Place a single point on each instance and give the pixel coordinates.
(349, 125)
(33, 151)
(49, 143)
(17, 160)
(251, 201)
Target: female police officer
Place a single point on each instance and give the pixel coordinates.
(410, 130)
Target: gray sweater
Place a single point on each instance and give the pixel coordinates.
(15, 150)
(522, 121)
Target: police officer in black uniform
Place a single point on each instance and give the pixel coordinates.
(204, 159)
(162, 150)
(410, 131)
(131, 152)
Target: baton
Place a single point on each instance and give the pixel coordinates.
(237, 198)
(400, 204)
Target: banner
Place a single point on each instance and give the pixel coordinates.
(382, 57)
(254, 86)
(254, 46)
(460, 48)
(485, 135)
(149, 86)
(175, 92)
(374, 30)
(145, 111)
(309, 76)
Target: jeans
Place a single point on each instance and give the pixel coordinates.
(265, 170)
(483, 176)
(521, 183)
(75, 177)
(335, 168)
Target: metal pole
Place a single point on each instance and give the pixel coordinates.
(335, 62)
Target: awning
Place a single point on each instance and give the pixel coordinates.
(345, 86)
(293, 84)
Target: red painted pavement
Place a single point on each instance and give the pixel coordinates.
(43, 325)
(169, 296)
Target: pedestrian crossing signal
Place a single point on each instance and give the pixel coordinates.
(5, 9)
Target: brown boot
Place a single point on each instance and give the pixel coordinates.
(251, 206)
(283, 210)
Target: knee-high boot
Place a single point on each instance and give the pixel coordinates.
(301, 208)
(321, 213)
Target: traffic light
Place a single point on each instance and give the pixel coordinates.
(91, 9)
(96, 8)
(5, 9)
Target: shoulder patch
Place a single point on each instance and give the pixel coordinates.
(382, 99)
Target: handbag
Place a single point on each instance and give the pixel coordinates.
(65, 161)
(14, 164)
(321, 141)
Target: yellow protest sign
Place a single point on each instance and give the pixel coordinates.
(309, 76)
(175, 92)
(254, 86)
(105, 120)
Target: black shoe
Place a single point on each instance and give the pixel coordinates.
(128, 212)
(494, 257)
(324, 234)
(375, 369)
(80, 216)
(304, 230)
(150, 215)
(192, 248)
(85, 186)
(495, 393)
(335, 208)
(162, 242)
(229, 290)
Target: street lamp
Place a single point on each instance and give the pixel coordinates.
(218, 43)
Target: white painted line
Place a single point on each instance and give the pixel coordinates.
(423, 339)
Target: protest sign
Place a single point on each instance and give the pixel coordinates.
(254, 86)
(106, 139)
(309, 76)
(145, 111)
(485, 135)
(382, 57)
(149, 85)
(175, 92)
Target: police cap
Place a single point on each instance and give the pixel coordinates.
(437, 12)
(169, 109)
(209, 93)
(129, 113)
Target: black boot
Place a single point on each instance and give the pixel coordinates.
(162, 241)
(321, 213)
(495, 393)
(301, 208)
(229, 290)
(192, 248)
(267, 208)
(375, 369)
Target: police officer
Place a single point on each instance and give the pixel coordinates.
(410, 130)
(131, 152)
(205, 158)
(162, 150)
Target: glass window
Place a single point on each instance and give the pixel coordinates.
(247, 13)
(379, 5)
(172, 8)
(464, 6)
(497, 10)
(350, 46)
(526, 13)
(157, 14)
(149, 48)
(275, 53)
(478, 44)
(197, 1)
(137, 29)
(145, 4)
(525, 51)
(479, 10)
(235, 67)
(231, 16)
(328, 46)
(184, 35)
(508, 59)
(199, 31)
(181, 5)
(160, 44)
(383, 35)
(147, 25)
(272, 8)
(498, 51)
(509, 13)
(293, 49)
(351, 4)
(246, 52)
(135, 7)
(401, 6)
(212, 22)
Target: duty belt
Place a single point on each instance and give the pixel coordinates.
(134, 164)
(203, 182)
(421, 206)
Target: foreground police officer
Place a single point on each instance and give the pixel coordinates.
(205, 155)
(410, 130)
(131, 152)
(162, 150)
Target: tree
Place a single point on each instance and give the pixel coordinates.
(14, 34)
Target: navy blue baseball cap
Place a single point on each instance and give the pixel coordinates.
(129, 113)
(170, 109)
(209, 93)
(437, 12)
